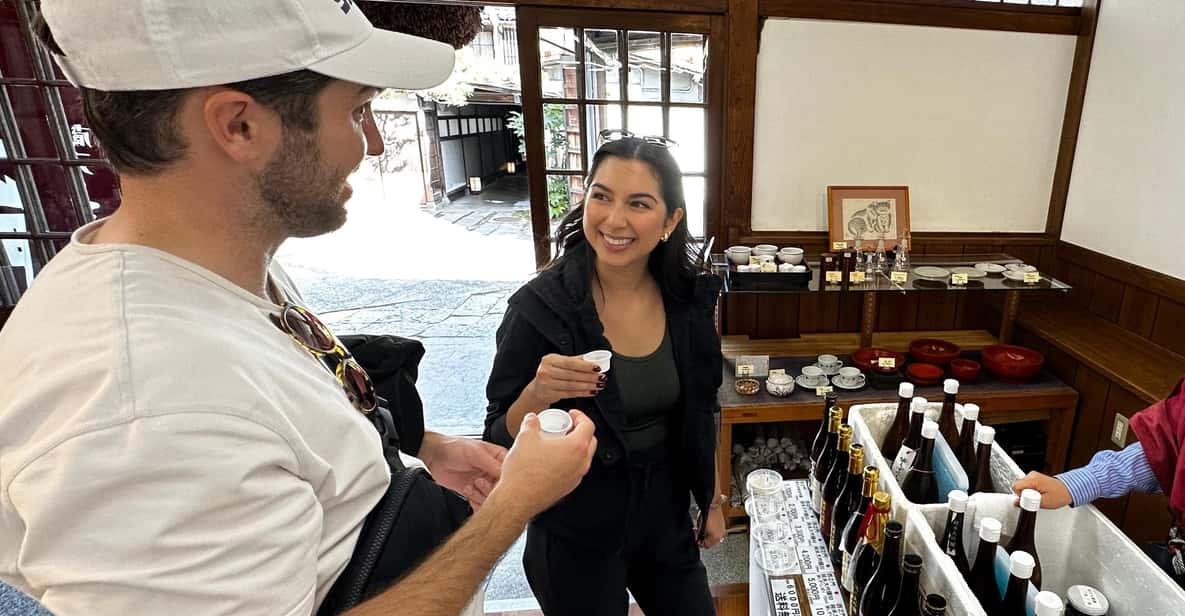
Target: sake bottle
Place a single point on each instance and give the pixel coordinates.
(1024, 538)
(901, 421)
(983, 461)
(853, 531)
(847, 502)
(836, 476)
(867, 555)
(920, 484)
(882, 588)
(1020, 568)
(820, 441)
(908, 603)
(913, 440)
(823, 464)
(946, 419)
(983, 572)
(952, 534)
(935, 605)
(964, 449)
(1049, 604)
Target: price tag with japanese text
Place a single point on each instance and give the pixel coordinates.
(823, 391)
(836, 246)
(784, 597)
(774, 371)
(858, 278)
(834, 277)
(1032, 277)
(888, 363)
(958, 279)
(899, 277)
(744, 370)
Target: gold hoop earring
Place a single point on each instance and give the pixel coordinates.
(665, 237)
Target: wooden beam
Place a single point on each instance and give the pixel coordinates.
(717, 7)
(736, 197)
(528, 56)
(942, 13)
(569, 17)
(1072, 121)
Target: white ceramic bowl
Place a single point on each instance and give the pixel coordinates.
(739, 255)
(990, 268)
(793, 258)
(779, 385)
(765, 249)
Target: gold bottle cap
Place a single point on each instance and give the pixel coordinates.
(835, 412)
(881, 500)
(856, 453)
(845, 437)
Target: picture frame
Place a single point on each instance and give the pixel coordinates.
(875, 209)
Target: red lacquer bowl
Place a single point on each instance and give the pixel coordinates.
(933, 351)
(924, 374)
(965, 370)
(866, 359)
(1009, 361)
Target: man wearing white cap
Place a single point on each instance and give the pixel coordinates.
(178, 435)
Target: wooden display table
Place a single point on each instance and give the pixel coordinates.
(1046, 399)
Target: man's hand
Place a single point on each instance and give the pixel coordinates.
(538, 472)
(1054, 493)
(464, 465)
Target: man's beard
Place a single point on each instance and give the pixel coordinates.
(301, 198)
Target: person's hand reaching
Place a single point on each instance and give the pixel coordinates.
(1054, 493)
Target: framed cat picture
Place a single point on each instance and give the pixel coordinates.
(867, 214)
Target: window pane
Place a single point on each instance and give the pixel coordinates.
(12, 207)
(645, 120)
(59, 210)
(20, 258)
(454, 127)
(557, 61)
(563, 193)
(15, 60)
(693, 195)
(689, 63)
(687, 129)
(561, 133)
(442, 128)
(102, 188)
(32, 120)
(602, 68)
(82, 139)
(645, 66)
(598, 118)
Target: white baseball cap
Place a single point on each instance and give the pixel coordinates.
(120, 45)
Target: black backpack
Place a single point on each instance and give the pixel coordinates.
(416, 514)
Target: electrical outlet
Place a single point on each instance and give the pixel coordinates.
(1119, 432)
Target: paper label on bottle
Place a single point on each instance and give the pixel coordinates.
(858, 278)
(958, 279)
(834, 277)
(823, 391)
(888, 363)
(904, 460)
(899, 277)
(816, 496)
(1032, 277)
(744, 370)
(837, 246)
(845, 575)
(783, 595)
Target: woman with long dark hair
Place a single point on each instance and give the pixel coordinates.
(625, 280)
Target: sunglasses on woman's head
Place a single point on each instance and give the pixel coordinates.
(614, 134)
(309, 332)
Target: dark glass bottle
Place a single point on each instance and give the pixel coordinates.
(1024, 538)
(1086, 601)
(920, 484)
(882, 589)
(935, 605)
(946, 418)
(952, 535)
(854, 530)
(820, 441)
(847, 501)
(1020, 569)
(913, 440)
(908, 602)
(965, 449)
(823, 464)
(982, 480)
(983, 572)
(867, 555)
(900, 427)
(836, 476)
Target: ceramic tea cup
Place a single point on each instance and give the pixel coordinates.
(829, 363)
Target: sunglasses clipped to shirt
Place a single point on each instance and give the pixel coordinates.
(309, 332)
(614, 134)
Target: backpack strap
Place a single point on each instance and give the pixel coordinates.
(381, 419)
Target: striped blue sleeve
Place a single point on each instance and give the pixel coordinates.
(1111, 474)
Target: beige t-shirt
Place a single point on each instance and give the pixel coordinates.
(166, 449)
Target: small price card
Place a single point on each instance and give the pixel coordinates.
(777, 371)
(744, 370)
(958, 279)
(768, 267)
(899, 277)
(839, 245)
(858, 278)
(888, 363)
(1032, 277)
(754, 260)
(823, 391)
(834, 277)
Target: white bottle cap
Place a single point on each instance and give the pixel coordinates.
(905, 390)
(1030, 500)
(989, 530)
(971, 411)
(929, 429)
(919, 405)
(1087, 600)
(950, 386)
(1021, 564)
(1049, 604)
(957, 499)
(985, 435)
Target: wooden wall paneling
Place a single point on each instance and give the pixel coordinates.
(1107, 299)
(942, 247)
(851, 309)
(1147, 518)
(936, 310)
(828, 312)
(984, 249)
(1169, 331)
(777, 316)
(1061, 364)
(1082, 281)
(1072, 120)
(1137, 313)
(677, 6)
(897, 312)
(1150, 280)
(736, 196)
(1028, 254)
(977, 313)
(741, 315)
(1046, 259)
(810, 313)
(940, 13)
(1093, 389)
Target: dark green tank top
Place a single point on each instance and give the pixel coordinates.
(649, 389)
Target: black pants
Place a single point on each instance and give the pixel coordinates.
(659, 561)
(1159, 553)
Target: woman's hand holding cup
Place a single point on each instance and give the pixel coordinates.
(560, 377)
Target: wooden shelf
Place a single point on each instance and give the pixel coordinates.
(817, 344)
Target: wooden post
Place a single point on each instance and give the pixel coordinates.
(868, 322)
(1008, 321)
